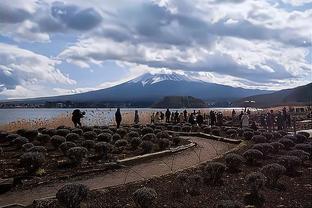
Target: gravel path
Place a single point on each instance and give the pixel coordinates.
(204, 151)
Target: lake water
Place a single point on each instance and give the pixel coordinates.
(94, 116)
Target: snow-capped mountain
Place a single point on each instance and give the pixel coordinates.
(149, 88)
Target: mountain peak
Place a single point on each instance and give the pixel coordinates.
(150, 79)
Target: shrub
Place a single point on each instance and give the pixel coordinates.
(252, 156)
(102, 149)
(186, 128)
(181, 184)
(132, 134)
(255, 182)
(89, 144)
(104, 137)
(163, 143)
(89, 135)
(65, 146)
(76, 154)
(116, 137)
(283, 133)
(40, 149)
(257, 133)
(305, 147)
(77, 131)
(62, 132)
(206, 130)
(231, 132)
(176, 128)
(277, 146)
(108, 131)
(27, 146)
(43, 138)
(248, 135)
(300, 154)
(71, 195)
(19, 141)
(213, 173)
(122, 132)
(30, 134)
(144, 197)
(135, 142)
(240, 132)
(287, 143)
(193, 184)
(3, 135)
(300, 138)
(121, 143)
(228, 204)
(87, 128)
(11, 137)
(259, 139)
(72, 137)
(290, 163)
(215, 132)
(32, 161)
(306, 134)
(176, 140)
(50, 132)
(147, 146)
(147, 130)
(273, 172)
(277, 135)
(233, 162)
(57, 140)
(162, 134)
(265, 148)
(97, 131)
(268, 135)
(149, 137)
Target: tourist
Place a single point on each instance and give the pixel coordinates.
(233, 116)
(279, 121)
(185, 115)
(199, 119)
(156, 118)
(181, 118)
(284, 118)
(262, 121)
(240, 118)
(118, 117)
(168, 115)
(270, 120)
(136, 117)
(212, 118)
(245, 120)
(162, 116)
(254, 126)
(219, 119)
(76, 116)
(176, 117)
(192, 119)
(153, 118)
(172, 117)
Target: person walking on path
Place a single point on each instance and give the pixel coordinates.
(118, 117)
(136, 117)
(168, 114)
(76, 116)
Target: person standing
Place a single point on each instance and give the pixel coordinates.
(192, 119)
(181, 118)
(118, 117)
(279, 121)
(270, 120)
(76, 116)
(156, 121)
(136, 117)
(284, 117)
(176, 117)
(153, 118)
(168, 114)
(212, 118)
(233, 116)
(185, 115)
(199, 119)
(245, 120)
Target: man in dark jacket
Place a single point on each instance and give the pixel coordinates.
(118, 117)
(76, 116)
(199, 119)
(168, 114)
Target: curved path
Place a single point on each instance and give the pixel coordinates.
(205, 150)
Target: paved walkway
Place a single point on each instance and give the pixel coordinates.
(206, 150)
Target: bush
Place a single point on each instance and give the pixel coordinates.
(122, 132)
(231, 132)
(162, 134)
(76, 154)
(97, 131)
(135, 142)
(305, 147)
(290, 163)
(149, 137)
(255, 182)
(62, 132)
(43, 138)
(213, 173)
(273, 172)
(176, 140)
(116, 137)
(193, 184)
(306, 134)
(287, 143)
(259, 139)
(277, 146)
(176, 128)
(300, 138)
(30, 134)
(89, 135)
(87, 128)
(72, 137)
(50, 132)
(265, 148)
(77, 131)
(89, 144)
(268, 135)
(283, 133)
(19, 141)
(163, 143)
(215, 132)
(121, 143)
(300, 154)
(277, 135)
(11, 137)
(40, 149)
(181, 184)
(71, 195)
(147, 146)
(147, 130)
(248, 135)
(105, 137)
(32, 161)
(57, 140)
(132, 134)
(252, 156)
(144, 197)
(65, 146)
(186, 128)
(228, 204)
(27, 146)
(233, 162)
(206, 130)
(102, 149)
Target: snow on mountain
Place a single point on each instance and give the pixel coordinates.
(149, 79)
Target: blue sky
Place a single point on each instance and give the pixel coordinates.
(51, 47)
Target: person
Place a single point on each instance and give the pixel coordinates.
(254, 126)
(185, 115)
(262, 121)
(172, 117)
(240, 118)
(212, 118)
(162, 116)
(76, 116)
(191, 119)
(156, 118)
(181, 117)
(284, 117)
(270, 120)
(219, 119)
(136, 117)
(233, 116)
(153, 118)
(279, 120)
(199, 119)
(168, 115)
(118, 117)
(248, 111)
(176, 117)
(245, 120)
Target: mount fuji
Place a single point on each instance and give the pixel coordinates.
(149, 88)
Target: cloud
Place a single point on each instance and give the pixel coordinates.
(21, 67)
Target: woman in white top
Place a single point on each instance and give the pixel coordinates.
(245, 120)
